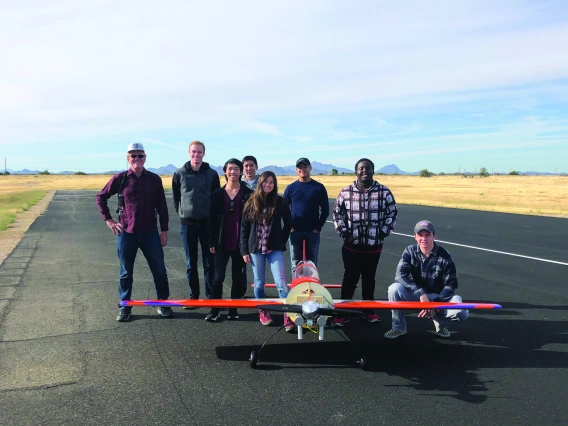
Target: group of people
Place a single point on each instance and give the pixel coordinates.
(247, 221)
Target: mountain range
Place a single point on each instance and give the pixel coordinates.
(317, 169)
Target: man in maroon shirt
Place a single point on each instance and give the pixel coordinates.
(141, 198)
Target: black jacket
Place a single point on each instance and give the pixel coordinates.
(216, 218)
(279, 231)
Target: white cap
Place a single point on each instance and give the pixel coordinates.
(135, 147)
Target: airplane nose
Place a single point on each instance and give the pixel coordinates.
(309, 308)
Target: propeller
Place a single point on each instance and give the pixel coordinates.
(295, 309)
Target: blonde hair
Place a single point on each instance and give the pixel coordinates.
(196, 142)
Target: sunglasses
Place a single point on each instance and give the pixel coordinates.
(137, 155)
(232, 206)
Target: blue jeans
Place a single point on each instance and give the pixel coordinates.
(276, 261)
(192, 236)
(297, 247)
(398, 292)
(127, 246)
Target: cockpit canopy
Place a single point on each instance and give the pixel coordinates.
(306, 268)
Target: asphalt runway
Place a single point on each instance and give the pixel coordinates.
(65, 360)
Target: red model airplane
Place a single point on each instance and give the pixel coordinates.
(308, 305)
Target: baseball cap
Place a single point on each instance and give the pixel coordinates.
(424, 225)
(135, 147)
(303, 160)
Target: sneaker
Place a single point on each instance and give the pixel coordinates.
(372, 317)
(288, 324)
(124, 315)
(393, 334)
(213, 316)
(191, 307)
(233, 314)
(165, 312)
(442, 331)
(339, 322)
(264, 317)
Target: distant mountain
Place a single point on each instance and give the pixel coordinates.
(317, 168)
(165, 170)
(24, 172)
(392, 169)
(278, 171)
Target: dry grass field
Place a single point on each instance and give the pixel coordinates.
(533, 195)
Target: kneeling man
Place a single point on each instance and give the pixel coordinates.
(426, 273)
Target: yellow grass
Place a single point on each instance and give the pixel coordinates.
(533, 195)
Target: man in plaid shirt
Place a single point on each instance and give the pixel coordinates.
(426, 272)
(364, 214)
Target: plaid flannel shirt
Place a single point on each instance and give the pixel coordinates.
(434, 274)
(263, 232)
(369, 216)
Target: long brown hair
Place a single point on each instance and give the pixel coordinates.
(259, 200)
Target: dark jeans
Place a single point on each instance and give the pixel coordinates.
(297, 239)
(192, 236)
(238, 274)
(127, 246)
(359, 264)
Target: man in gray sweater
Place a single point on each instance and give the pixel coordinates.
(192, 186)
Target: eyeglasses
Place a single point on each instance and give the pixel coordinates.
(137, 155)
(232, 206)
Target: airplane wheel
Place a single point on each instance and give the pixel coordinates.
(363, 363)
(253, 359)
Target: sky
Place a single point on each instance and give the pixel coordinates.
(449, 86)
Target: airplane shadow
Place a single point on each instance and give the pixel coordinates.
(427, 362)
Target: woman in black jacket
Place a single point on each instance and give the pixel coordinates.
(266, 226)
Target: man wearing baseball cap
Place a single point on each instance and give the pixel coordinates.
(141, 198)
(309, 203)
(426, 273)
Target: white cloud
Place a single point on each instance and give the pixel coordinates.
(77, 70)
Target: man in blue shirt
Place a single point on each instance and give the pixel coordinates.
(310, 208)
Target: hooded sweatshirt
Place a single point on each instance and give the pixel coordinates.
(192, 192)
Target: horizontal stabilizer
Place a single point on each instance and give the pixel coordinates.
(290, 285)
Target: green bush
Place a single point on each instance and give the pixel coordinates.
(45, 172)
(80, 173)
(425, 173)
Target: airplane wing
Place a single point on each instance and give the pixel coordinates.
(205, 303)
(385, 304)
